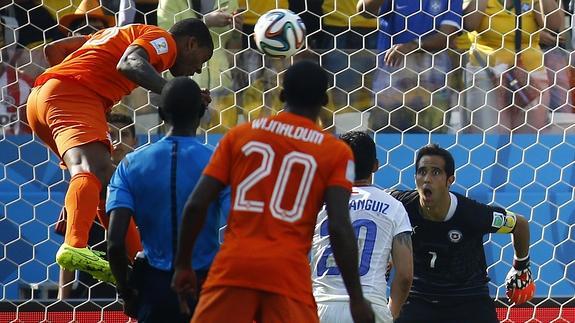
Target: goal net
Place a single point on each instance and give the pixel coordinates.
(453, 88)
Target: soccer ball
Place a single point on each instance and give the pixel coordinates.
(279, 33)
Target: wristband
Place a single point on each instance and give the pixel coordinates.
(521, 263)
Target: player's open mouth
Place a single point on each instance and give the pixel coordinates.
(427, 193)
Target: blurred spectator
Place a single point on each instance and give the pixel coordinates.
(310, 12)
(458, 116)
(216, 74)
(126, 12)
(256, 76)
(36, 28)
(140, 11)
(413, 63)
(37, 24)
(146, 12)
(571, 46)
(495, 61)
(60, 8)
(88, 18)
(348, 52)
(15, 85)
(556, 61)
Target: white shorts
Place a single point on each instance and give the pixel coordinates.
(338, 312)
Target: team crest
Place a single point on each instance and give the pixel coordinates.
(454, 235)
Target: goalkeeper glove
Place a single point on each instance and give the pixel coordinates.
(519, 282)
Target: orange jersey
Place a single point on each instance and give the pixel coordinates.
(278, 169)
(94, 64)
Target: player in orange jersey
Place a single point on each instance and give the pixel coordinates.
(67, 110)
(281, 171)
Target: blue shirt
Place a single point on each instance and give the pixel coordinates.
(155, 183)
(410, 19)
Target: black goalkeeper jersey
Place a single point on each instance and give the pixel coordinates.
(449, 259)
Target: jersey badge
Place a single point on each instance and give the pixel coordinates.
(454, 235)
(504, 223)
(160, 45)
(498, 220)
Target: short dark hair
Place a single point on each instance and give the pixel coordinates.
(181, 102)
(304, 85)
(124, 120)
(435, 150)
(193, 28)
(364, 152)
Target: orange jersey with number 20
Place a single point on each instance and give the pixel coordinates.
(278, 169)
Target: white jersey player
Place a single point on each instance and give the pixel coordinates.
(382, 228)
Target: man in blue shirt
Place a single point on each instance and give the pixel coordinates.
(413, 64)
(152, 185)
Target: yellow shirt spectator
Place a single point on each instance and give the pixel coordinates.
(496, 35)
(60, 8)
(464, 42)
(343, 13)
(256, 8)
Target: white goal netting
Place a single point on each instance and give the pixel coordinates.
(440, 85)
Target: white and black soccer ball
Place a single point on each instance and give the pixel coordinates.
(279, 33)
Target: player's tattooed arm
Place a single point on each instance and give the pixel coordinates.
(402, 253)
(403, 239)
(56, 51)
(135, 65)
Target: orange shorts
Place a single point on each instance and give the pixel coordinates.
(244, 305)
(65, 114)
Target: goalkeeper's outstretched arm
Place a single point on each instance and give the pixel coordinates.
(520, 238)
(519, 283)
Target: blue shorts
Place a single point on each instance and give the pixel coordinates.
(158, 302)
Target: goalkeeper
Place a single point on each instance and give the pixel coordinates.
(450, 272)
